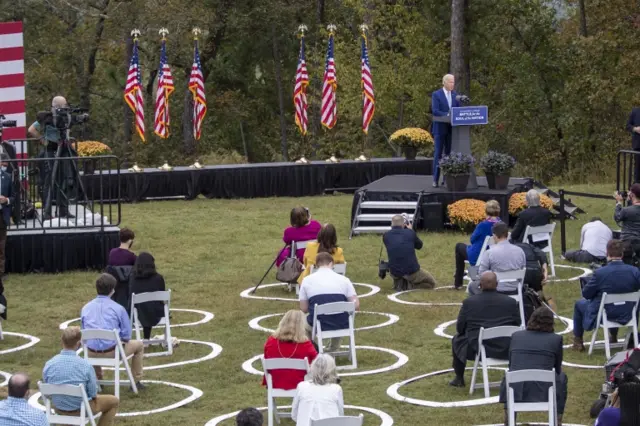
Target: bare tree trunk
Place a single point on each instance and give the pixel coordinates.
(459, 46)
(320, 11)
(278, 74)
(583, 18)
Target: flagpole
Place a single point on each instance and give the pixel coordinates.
(163, 33)
(135, 33)
(365, 134)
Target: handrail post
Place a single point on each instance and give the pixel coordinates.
(563, 218)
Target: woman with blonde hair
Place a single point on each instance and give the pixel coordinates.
(327, 243)
(289, 341)
(321, 396)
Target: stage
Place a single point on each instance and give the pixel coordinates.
(432, 209)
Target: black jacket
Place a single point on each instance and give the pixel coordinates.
(532, 216)
(535, 259)
(121, 293)
(487, 309)
(634, 121)
(149, 313)
(401, 244)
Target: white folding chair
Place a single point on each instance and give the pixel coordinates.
(273, 393)
(603, 322)
(339, 421)
(338, 268)
(472, 270)
(154, 296)
(319, 335)
(295, 246)
(86, 415)
(2, 311)
(546, 376)
(119, 358)
(540, 234)
(483, 361)
(510, 277)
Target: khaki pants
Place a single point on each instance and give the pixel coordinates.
(105, 404)
(334, 346)
(420, 278)
(135, 347)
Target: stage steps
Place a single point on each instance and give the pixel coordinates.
(374, 217)
(569, 208)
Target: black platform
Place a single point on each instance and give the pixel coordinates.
(250, 180)
(434, 201)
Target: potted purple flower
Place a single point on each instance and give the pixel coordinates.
(497, 168)
(456, 168)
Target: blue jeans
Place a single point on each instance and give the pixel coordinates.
(579, 312)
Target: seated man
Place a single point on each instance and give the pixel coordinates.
(486, 309)
(533, 215)
(325, 286)
(501, 257)
(104, 313)
(67, 368)
(401, 242)
(614, 278)
(536, 276)
(249, 417)
(15, 410)
(593, 243)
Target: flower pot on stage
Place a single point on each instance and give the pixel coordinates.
(457, 183)
(89, 166)
(497, 181)
(410, 152)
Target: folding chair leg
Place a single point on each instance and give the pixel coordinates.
(635, 335)
(472, 388)
(607, 345)
(553, 264)
(127, 368)
(116, 381)
(512, 417)
(275, 411)
(270, 411)
(485, 378)
(167, 337)
(593, 339)
(352, 347)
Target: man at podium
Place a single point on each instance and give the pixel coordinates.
(442, 100)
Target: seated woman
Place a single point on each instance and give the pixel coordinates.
(289, 341)
(537, 348)
(123, 256)
(471, 252)
(625, 403)
(145, 279)
(302, 229)
(327, 243)
(321, 397)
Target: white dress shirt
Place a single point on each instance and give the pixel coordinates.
(447, 94)
(594, 238)
(316, 402)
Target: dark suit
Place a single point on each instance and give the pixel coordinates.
(486, 309)
(14, 171)
(634, 121)
(6, 190)
(536, 350)
(532, 216)
(441, 131)
(149, 313)
(121, 294)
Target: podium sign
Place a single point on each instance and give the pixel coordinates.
(469, 115)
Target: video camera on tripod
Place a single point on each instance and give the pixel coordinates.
(63, 118)
(6, 123)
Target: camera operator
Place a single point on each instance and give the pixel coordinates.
(14, 171)
(51, 136)
(629, 220)
(401, 242)
(6, 204)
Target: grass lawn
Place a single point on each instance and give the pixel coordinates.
(211, 250)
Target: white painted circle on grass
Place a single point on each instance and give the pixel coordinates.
(392, 391)
(402, 360)
(440, 329)
(386, 419)
(391, 319)
(394, 298)
(6, 376)
(195, 394)
(584, 366)
(585, 272)
(32, 341)
(206, 317)
(373, 289)
(215, 351)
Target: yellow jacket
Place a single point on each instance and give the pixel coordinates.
(310, 258)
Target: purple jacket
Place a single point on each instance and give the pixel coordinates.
(304, 233)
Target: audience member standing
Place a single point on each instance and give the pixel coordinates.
(145, 279)
(290, 340)
(321, 397)
(537, 348)
(614, 278)
(327, 243)
(15, 410)
(302, 229)
(533, 215)
(633, 126)
(325, 286)
(593, 243)
(486, 309)
(67, 368)
(471, 252)
(121, 261)
(103, 313)
(123, 256)
(401, 243)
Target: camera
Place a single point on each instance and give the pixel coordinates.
(383, 268)
(63, 118)
(624, 194)
(7, 123)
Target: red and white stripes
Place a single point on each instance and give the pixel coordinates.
(12, 93)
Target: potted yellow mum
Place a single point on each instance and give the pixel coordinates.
(410, 139)
(91, 149)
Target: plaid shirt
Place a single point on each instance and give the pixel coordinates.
(18, 412)
(68, 368)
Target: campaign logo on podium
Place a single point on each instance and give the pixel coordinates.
(469, 115)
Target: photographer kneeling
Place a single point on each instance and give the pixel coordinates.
(401, 242)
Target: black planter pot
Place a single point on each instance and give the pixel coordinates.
(89, 166)
(497, 181)
(410, 152)
(457, 183)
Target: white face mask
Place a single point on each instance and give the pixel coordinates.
(3, 168)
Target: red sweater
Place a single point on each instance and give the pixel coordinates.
(288, 379)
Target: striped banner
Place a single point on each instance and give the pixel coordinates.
(12, 102)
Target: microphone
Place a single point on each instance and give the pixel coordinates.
(463, 99)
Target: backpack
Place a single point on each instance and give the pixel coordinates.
(531, 302)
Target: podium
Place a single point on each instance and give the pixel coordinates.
(461, 120)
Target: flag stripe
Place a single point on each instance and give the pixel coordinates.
(10, 28)
(12, 107)
(12, 54)
(12, 67)
(329, 86)
(12, 91)
(10, 40)
(12, 80)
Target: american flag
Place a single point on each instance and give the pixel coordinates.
(12, 99)
(300, 91)
(196, 85)
(329, 86)
(368, 98)
(165, 88)
(133, 91)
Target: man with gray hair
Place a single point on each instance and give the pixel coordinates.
(533, 215)
(442, 100)
(401, 243)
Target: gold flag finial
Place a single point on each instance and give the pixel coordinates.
(301, 29)
(163, 33)
(332, 29)
(196, 32)
(135, 33)
(364, 28)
